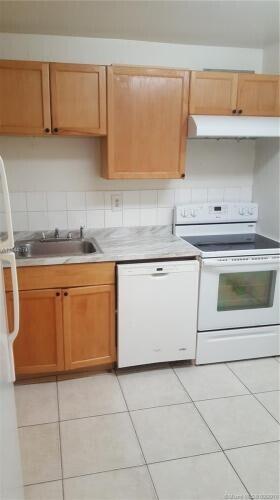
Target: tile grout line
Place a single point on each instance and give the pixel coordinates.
(60, 444)
(253, 394)
(136, 435)
(222, 450)
(149, 463)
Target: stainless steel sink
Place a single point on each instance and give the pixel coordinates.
(54, 248)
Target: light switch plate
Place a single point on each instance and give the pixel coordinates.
(116, 201)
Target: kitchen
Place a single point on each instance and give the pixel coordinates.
(123, 175)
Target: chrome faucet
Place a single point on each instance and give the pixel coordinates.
(82, 232)
(56, 233)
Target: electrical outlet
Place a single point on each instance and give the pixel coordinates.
(116, 201)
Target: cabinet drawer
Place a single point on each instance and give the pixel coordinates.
(62, 276)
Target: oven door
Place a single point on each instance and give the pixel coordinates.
(239, 292)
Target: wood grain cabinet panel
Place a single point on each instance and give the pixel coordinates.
(147, 120)
(89, 326)
(213, 93)
(78, 99)
(24, 98)
(38, 347)
(258, 95)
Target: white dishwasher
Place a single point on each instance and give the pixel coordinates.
(157, 312)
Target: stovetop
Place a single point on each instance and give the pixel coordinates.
(232, 242)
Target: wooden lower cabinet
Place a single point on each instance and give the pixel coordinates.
(38, 347)
(64, 327)
(89, 326)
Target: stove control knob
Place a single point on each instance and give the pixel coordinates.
(193, 213)
(251, 211)
(183, 213)
(241, 211)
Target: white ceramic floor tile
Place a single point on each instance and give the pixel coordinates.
(209, 381)
(98, 444)
(239, 421)
(44, 491)
(89, 396)
(172, 432)
(152, 387)
(271, 400)
(207, 477)
(40, 453)
(126, 484)
(36, 403)
(258, 375)
(258, 467)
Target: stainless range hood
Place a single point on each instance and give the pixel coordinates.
(233, 126)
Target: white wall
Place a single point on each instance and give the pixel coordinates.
(216, 170)
(266, 190)
(107, 51)
(266, 181)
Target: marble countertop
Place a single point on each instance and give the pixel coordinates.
(118, 244)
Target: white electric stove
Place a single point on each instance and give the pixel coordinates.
(239, 294)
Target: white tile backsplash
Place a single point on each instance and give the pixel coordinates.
(164, 216)
(95, 218)
(131, 217)
(76, 218)
(18, 202)
(131, 199)
(199, 195)
(182, 196)
(113, 218)
(38, 221)
(57, 201)
(36, 201)
(148, 199)
(76, 201)
(215, 194)
(58, 219)
(148, 216)
(95, 200)
(231, 194)
(20, 221)
(166, 198)
(69, 210)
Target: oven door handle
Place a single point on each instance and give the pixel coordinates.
(275, 262)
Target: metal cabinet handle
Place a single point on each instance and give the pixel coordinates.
(234, 111)
(65, 294)
(240, 111)
(55, 129)
(47, 130)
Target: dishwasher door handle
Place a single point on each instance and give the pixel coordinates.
(158, 275)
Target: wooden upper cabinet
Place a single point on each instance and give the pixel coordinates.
(258, 95)
(78, 99)
(147, 121)
(38, 347)
(213, 93)
(24, 98)
(89, 326)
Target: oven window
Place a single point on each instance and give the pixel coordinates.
(246, 290)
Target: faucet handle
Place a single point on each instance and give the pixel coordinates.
(82, 232)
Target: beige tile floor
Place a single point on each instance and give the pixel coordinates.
(172, 432)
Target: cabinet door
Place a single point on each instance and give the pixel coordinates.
(78, 97)
(24, 98)
(213, 93)
(258, 95)
(38, 347)
(89, 326)
(147, 120)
